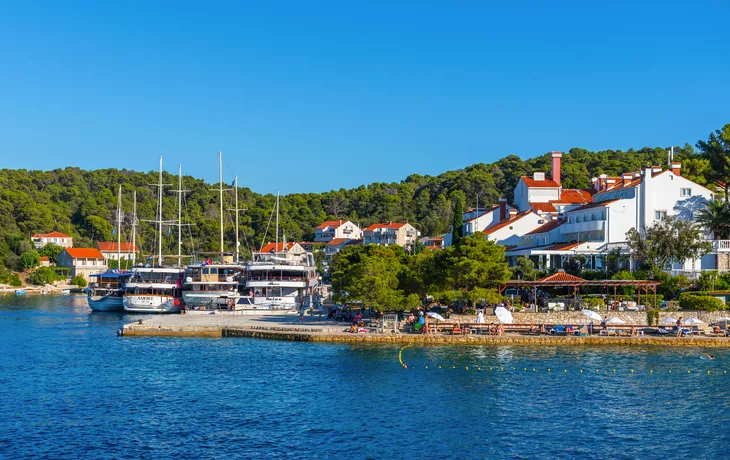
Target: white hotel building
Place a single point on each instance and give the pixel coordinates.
(550, 223)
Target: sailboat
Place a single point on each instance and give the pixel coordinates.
(106, 292)
(156, 289)
(279, 278)
(214, 285)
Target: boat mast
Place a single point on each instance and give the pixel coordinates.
(119, 228)
(220, 189)
(159, 219)
(179, 212)
(276, 247)
(134, 231)
(237, 243)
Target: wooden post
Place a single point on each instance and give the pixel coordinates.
(654, 296)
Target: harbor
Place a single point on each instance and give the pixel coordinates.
(316, 329)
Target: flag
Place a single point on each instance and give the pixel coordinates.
(233, 184)
(169, 230)
(114, 230)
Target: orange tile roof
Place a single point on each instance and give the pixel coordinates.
(562, 246)
(272, 247)
(331, 223)
(53, 234)
(559, 278)
(126, 246)
(544, 207)
(87, 253)
(392, 225)
(506, 222)
(553, 224)
(337, 241)
(574, 196)
(530, 182)
(44, 259)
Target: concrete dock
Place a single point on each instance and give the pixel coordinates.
(320, 330)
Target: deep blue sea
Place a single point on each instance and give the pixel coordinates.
(70, 388)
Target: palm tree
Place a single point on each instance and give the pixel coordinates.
(715, 217)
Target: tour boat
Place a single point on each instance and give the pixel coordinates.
(154, 290)
(105, 294)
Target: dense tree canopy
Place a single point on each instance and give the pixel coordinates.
(83, 203)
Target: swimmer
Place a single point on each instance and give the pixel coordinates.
(709, 356)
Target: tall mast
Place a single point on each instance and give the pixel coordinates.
(119, 228)
(134, 231)
(159, 219)
(220, 170)
(276, 247)
(236, 188)
(179, 213)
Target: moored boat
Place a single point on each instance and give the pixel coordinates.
(105, 294)
(154, 290)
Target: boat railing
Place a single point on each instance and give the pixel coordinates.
(276, 278)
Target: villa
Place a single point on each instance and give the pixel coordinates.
(337, 229)
(398, 233)
(82, 261)
(42, 239)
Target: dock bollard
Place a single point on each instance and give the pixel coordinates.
(139, 321)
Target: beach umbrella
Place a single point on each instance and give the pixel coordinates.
(592, 315)
(614, 320)
(724, 320)
(435, 316)
(668, 321)
(693, 321)
(503, 315)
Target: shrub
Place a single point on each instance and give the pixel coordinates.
(79, 281)
(652, 317)
(30, 259)
(694, 301)
(10, 278)
(593, 302)
(43, 275)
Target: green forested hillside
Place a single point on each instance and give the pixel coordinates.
(83, 203)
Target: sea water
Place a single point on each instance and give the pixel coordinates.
(70, 388)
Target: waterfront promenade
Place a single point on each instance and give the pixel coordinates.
(315, 329)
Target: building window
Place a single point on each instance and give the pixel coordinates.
(660, 215)
(685, 192)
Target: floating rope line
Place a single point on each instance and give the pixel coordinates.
(501, 369)
(400, 356)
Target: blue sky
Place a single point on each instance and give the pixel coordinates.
(312, 96)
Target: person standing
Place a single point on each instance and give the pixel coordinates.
(679, 327)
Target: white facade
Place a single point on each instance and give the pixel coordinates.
(58, 238)
(333, 229)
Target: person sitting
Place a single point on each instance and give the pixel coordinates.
(353, 329)
(457, 328)
(633, 331)
(411, 319)
(500, 329)
(543, 329)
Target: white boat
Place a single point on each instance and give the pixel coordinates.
(105, 294)
(211, 285)
(280, 279)
(154, 290)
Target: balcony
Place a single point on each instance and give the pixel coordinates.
(721, 246)
(578, 227)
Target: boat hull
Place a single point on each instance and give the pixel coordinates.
(158, 304)
(105, 303)
(208, 298)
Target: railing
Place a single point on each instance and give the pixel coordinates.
(721, 246)
(594, 225)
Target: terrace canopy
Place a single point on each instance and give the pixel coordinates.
(562, 279)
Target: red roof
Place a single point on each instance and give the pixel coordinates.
(273, 247)
(544, 207)
(506, 222)
(109, 246)
(562, 246)
(87, 253)
(338, 241)
(392, 225)
(553, 224)
(560, 277)
(573, 196)
(44, 259)
(530, 182)
(53, 234)
(331, 223)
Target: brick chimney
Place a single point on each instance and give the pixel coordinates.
(626, 178)
(556, 165)
(502, 209)
(602, 182)
(676, 168)
(512, 213)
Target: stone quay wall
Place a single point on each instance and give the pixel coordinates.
(637, 318)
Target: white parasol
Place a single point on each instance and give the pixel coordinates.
(503, 315)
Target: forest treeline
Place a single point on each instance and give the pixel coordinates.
(83, 203)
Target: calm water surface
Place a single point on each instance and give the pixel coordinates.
(70, 388)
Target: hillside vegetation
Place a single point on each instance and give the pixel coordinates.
(83, 203)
